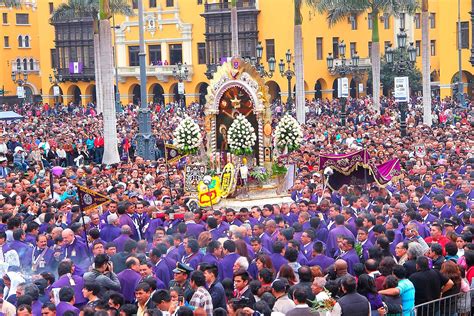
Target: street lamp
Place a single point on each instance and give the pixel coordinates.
(20, 78)
(181, 73)
(256, 62)
(401, 63)
(55, 80)
(289, 74)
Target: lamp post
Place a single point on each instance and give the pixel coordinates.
(145, 139)
(260, 67)
(342, 70)
(289, 74)
(20, 78)
(55, 80)
(181, 73)
(400, 66)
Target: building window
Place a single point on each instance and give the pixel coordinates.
(152, 4)
(270, 48)
(370, 21)
(386, 21)
(25, 64)
(353, 20)
(133, 55)
(20, 41)
(433, 47)
(170, 3)
(154, 51)
(335, 47)
(176, 54)
(51, 8)
(370, 49)
(417, 20)
(6, 41)
(432, 20)
(26, 41)
(201, 53)
(5, 18)
(464, 35)
(54, 58)
(134, 4)
(22, 18)
(418, 48)
(319, 48)
(402, 21)
(32, 64)
(199, 1)
(353, 47)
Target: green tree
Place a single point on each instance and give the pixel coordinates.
(100, 11)
(340, 10)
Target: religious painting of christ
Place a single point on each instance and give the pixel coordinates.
(235, 100)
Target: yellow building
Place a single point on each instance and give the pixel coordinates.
(196, 32)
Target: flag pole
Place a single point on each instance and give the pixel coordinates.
(89, 253)
(168, 174)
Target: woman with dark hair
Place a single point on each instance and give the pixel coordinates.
(264, 261)
(366, 287)
(287, 272)
(451, 271)
(393, 302)
(241, 249)
(385, 269)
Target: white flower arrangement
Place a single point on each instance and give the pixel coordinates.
(187, 136)
(288, 134)
(241, 136)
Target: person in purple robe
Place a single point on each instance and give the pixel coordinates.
(339, 230)
(111, 209)
(110, 230)
(231, 217)
(258, 230)
(151, 228)
(126, 212)
(192, 229)
(319, 259)
(307, 241)
(129, 279)
(212, 226)
(24, 250)
(192, 255)
(75, 250)
(440, 207)
(227, 263)
(160, 268)
(68, 279)
(349, 255)
(277, 256)
(66, 301)
(120, 241)
(363, 240)
(213, 253)
(42, 259)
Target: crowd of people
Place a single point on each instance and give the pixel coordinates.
(359, 250)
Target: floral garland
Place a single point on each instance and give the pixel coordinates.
(241, 136)
(288, 134)
(187, 136)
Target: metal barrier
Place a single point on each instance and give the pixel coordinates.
(460, 304)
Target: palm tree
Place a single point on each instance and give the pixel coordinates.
(339, 10)
(299, 68)
(234, 28)
(100, 11)
(11, 3)
(425, 59)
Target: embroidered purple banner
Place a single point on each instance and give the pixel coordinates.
(356, 169)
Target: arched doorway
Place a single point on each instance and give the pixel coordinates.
(202, 91)
(91, 93)
(353, 89)
(318, 88)
(334, 88)
(468, 83)
(274, 91)
(57, 99)
(181, 98)
(28, 94)
(157, 91)
(136, 94)
(74, 94)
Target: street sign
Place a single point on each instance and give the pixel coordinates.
(343, 88)
(56, 91)
(20, 92)
(180, 87)
(401, 89)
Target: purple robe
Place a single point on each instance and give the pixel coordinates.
(47, 264)
(63, 307)
(78, 253)
(151, 229)
(351, 258)
(79, 285)
(322, 261)
(227, 264)
(129, 280)
(193, 260)
(109, 232)
(331, 245)
(162, 271)
(278, 260)
(24, 252)
(307, 250)
(126, 219)
(120, 242)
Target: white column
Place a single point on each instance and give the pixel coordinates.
(164, 51)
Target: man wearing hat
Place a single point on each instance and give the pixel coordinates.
(180, 281)
(4, 170)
